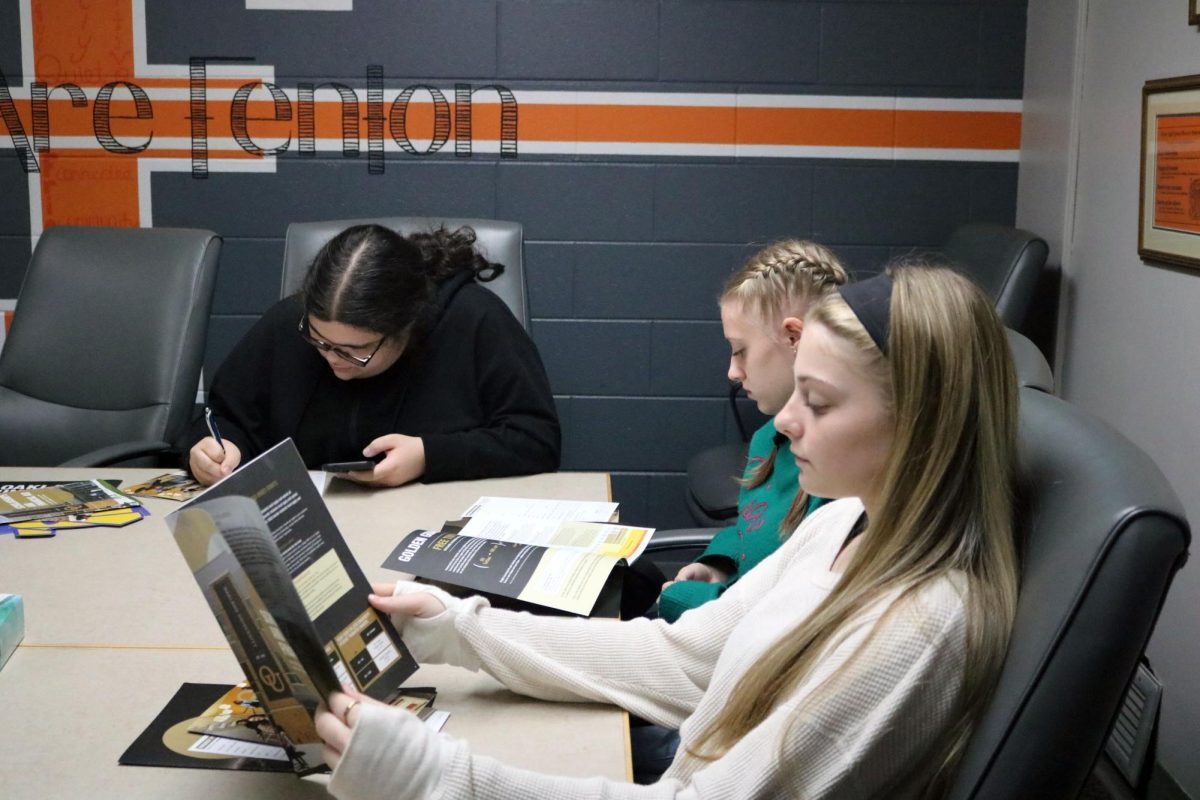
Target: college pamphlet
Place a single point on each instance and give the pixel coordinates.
(62, 501)
(32, 510)
(289, 597)
(554, 554)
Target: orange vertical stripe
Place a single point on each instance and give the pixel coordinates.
(85, 43)
(89, 191)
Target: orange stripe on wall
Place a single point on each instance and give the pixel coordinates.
(830, 127)
(974, 129)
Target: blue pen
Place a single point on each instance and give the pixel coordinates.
(211, 422)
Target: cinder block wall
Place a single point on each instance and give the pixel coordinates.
(625, 253)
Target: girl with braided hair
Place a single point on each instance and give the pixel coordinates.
(762, 311)
(391, 352)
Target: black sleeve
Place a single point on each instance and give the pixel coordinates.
(520, 435)
(239, 393)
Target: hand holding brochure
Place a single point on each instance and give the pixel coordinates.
(289, 595)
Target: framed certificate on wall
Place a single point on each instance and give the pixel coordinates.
(1169, 198)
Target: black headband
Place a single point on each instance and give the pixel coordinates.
(871, 302)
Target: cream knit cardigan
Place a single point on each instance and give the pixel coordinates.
(866, 735)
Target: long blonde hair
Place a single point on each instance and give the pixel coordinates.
(946, 502)
(783, 279)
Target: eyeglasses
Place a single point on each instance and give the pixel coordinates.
(326, 347)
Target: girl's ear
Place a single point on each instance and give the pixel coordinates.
(792, 327)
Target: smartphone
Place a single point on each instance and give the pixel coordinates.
(349, 466)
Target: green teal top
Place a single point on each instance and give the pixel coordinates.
(755, 535)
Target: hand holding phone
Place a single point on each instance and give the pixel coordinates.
(362, 465)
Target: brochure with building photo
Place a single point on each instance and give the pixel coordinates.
(289, 596)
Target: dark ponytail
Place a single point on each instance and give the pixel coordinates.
(371, 277)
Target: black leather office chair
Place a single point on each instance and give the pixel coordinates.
(498, 241)
(1102, 536)
(713, 474)
(103, 358)
(1007, 263)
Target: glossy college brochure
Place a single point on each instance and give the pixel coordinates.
(551, 559)
(288, 595)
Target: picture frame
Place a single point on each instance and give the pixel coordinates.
(1193, 12)
(1169, 189)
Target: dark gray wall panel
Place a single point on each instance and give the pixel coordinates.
(735, 203)
(549, 278)
(752, 418)
(775, 202)
(861, 260)
(10, 45)
(249, 275)
(14, 258)
(900, 45)
(653, 499)
(761, 42)
(14, 201)
(607, 358)
(14, 224)
(223, 333)
(688, 359)
(666, 507)
(416, 38)
(569, 201)
(641, 434)
(652, 281)
(1002, 47)
(254, 204)
(578, 39)
(696, 203)
(994, 194)
(890, 204)
(629, 490)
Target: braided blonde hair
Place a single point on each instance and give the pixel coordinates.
(783, 280)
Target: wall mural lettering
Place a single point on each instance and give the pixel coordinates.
(395, 120)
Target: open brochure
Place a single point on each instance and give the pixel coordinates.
(288, 595)
(546, 560)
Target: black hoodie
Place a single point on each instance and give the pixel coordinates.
(472, 387)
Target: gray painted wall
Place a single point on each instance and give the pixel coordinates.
(1128, 352)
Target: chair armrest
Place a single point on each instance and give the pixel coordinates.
(107, 456)
(680, 538)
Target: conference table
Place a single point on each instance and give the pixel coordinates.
(115, 623)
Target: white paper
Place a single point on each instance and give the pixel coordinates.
(220, 745)
(437, 719)
(320, 480)
(577, 510)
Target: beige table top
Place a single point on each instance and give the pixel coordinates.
(115, 623)
(131, 586)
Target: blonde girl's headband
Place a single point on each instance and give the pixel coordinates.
(871, 302)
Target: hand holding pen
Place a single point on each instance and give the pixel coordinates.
(211, 422)
(213, 457)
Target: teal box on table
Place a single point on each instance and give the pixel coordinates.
(12, 625)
